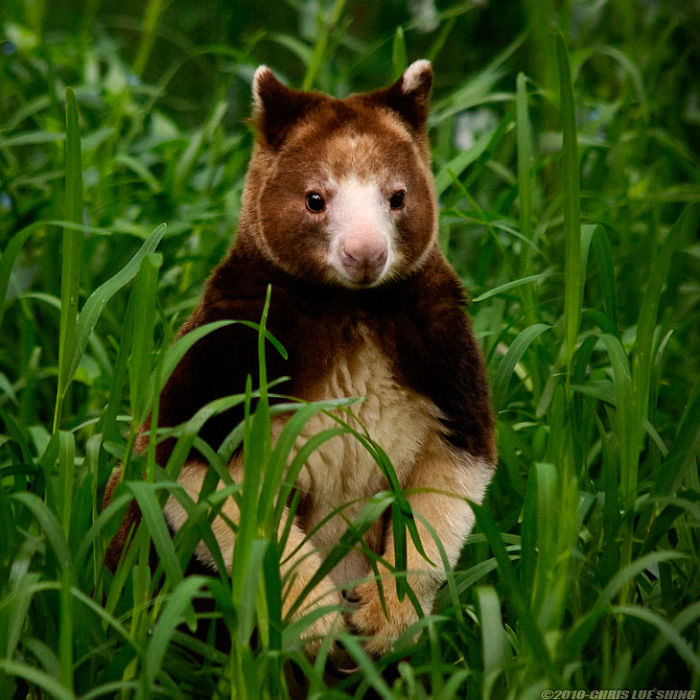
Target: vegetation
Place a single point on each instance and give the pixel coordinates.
(566, 149)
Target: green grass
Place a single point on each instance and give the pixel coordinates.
(570, 210)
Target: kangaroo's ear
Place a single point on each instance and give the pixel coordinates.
(277, 108)
(409, 96)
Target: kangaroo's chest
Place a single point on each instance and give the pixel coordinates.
(392, 417)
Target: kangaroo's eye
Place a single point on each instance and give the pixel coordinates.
(315, 203)
(397, 200)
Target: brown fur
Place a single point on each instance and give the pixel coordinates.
(404, 343)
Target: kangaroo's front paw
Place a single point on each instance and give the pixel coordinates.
(324, 623)
(370, 620)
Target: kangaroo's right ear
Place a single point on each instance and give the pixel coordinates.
(277, 108)
(409, 96)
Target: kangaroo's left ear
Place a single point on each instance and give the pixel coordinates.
(409, 96)
(277, 108)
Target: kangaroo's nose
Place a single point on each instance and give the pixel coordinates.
(363, 257)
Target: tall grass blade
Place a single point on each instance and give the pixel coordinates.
(325, 30)
(508, 286)
(629, 572)
(685, 229)
(646, 665)
(35, 677)
(9, 256)
(151, 512)
(96, 302)
(514, 354)
(246, 604)
(669, 633)
(72, 252)
(398, 53)
(493, 641)
(684, 446)
(525, 179)
(13, 612)
(177, 350)
(148, 34)
(624, 425)
(573, 268)
(142, 334)
(178, 602)
(606, 273)
(50, 524)
(530, 630)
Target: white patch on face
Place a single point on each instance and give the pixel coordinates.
(362, 233)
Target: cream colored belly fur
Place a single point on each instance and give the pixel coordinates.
(341, 472)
